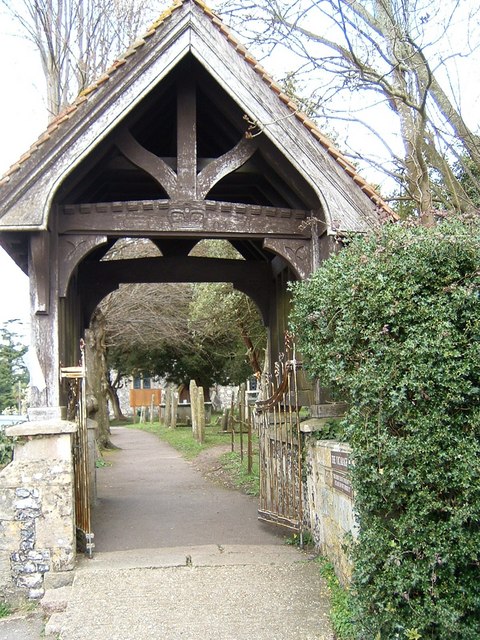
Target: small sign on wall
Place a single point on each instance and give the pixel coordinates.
(342, 483)
(340, 461)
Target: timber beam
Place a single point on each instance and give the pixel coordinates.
(173, 269)
(157, 218)
(100, 278)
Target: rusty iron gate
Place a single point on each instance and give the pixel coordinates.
(280, 449)
(76, 378)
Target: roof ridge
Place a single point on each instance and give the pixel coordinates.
(325, 142)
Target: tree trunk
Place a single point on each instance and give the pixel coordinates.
(251, 351)
(113, 387)
(115, 404)
(97, 380)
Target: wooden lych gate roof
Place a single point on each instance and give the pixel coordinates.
(189, 33)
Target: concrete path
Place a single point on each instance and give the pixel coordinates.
(22, 626)
(239, 592)
(151, 497)
(178, 557)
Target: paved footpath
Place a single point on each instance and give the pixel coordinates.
(152, 497)
(232, 593)
(181, 558)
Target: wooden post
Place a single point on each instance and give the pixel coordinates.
(186, 139)
(250, 443)
(241, 412)
(231, 423)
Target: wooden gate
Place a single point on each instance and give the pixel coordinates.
(78, 409)
(280, 446)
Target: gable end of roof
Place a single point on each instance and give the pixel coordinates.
(384, 212)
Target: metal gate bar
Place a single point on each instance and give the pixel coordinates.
(280, 446)
(77, 376)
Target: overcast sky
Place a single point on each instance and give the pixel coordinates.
(22, 118)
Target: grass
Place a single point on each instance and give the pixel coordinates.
(4, 610)
(238, 472)
(305, 540)
(181, 438)
(341, 609)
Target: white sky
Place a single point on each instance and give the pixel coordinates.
(23, 118)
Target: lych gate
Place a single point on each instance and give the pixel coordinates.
(182, 139)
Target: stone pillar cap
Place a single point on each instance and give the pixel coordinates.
(41, 428)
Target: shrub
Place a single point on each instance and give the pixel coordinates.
(393, 324)
(6, 449)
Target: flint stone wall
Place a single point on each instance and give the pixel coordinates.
(328, 507)
(37, 531)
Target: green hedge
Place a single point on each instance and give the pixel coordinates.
(393, 324)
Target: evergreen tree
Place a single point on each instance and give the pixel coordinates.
(13, 373)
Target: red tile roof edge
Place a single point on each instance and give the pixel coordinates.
(326, 143)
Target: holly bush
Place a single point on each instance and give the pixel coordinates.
(392, 323)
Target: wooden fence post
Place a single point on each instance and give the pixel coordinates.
(241, 412)
(250, 442)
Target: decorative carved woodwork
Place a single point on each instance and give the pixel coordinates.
(156, 218)
(185, 184)
(71, 250)
(157, 168)
(220, 167)
(297, 252)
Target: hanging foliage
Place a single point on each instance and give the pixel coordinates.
(393, 324)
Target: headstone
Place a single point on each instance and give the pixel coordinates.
(193, 407)
(174, 408)
(167, 406)
(200, 415)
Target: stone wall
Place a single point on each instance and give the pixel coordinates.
(328, 501)
(37, 532)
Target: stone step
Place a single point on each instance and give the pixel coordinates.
(54, 626)
(55, 600)
(57, 579)
(199, 555)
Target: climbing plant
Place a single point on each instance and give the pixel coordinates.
(392, 323)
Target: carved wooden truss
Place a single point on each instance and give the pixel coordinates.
(186, 212)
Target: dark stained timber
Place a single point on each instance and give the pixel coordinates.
(167, 217)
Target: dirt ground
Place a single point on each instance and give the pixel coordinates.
(208, 463)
